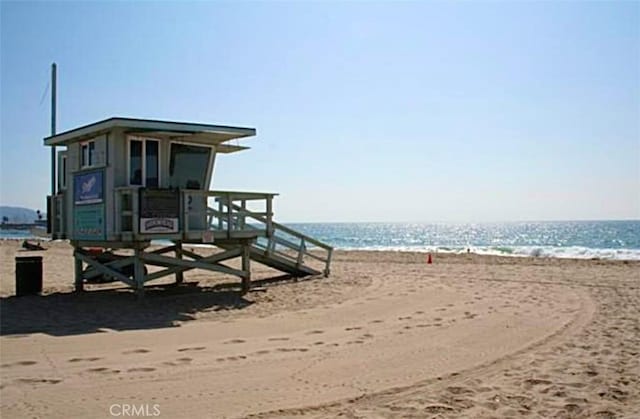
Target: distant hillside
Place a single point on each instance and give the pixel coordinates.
(19, 215)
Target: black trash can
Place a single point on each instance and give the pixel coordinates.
(28, 275)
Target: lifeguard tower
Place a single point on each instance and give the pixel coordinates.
(123, 182)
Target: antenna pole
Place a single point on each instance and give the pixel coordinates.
(53, 128)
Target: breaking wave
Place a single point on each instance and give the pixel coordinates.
(573, 252)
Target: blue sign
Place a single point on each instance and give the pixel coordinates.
(88, 187)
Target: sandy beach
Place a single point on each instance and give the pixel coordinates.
(387, 335)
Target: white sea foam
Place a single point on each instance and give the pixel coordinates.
(573, 252)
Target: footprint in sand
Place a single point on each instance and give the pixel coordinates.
(19, 363)
(278, 339)
(90, 359)
(141, 369)
(192, 348)
(349, 329)
(535, 382)
(25, 363)
(136, 351)
(575, 385)
(435, 408)
(572, 408)
(103, 370)
(234, 341)
(178, 362)
(39, 380)
(315, 332)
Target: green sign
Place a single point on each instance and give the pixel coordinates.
(88, 222)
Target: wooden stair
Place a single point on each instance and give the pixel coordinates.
(283, 264)
(277, 245)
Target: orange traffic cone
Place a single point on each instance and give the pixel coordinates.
(429, 261)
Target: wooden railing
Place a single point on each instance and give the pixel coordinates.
(231, 213)
(230, 210)
(197, 215)
(287, 243)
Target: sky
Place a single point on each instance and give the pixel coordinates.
(365, 111)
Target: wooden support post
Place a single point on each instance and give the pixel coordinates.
(271, 246)
(246, 267)
(179, 275)
(327, 266)
(269, 215)
(138, 272)
(301, 251)
(229, 216)
(242, 217)
(185, 212)
(79, 282)
(117, 222)
(135, 215)
(220, 207)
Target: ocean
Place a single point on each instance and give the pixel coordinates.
(558, 239)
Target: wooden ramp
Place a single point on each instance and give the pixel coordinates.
(284, 256)
(282, 264)
(276, 245)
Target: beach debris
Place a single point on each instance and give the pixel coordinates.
(429, 260)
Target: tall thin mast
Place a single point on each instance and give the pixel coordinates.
(53, 128)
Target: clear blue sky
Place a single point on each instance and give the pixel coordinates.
(430, 111)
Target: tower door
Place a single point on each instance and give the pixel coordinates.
(189, 168)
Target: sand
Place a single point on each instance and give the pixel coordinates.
(387, 335)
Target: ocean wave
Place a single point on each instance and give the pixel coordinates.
(572, 252)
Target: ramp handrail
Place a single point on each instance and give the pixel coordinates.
(232, 215)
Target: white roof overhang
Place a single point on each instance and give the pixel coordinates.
(185, 131)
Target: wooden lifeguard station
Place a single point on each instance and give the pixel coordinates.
(123, 182)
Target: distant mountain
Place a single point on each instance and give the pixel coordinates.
(19, 215)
